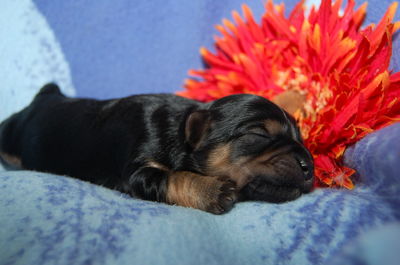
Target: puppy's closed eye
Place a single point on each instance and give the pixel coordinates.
(259, 132)
(252, 142)
(250, 139)
(254, 135)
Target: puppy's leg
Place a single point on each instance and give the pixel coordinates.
(212, 194)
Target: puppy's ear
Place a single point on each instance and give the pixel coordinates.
(197, 125)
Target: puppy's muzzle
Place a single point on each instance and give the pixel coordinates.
(289, 173)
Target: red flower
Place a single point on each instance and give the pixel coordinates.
(340, 69)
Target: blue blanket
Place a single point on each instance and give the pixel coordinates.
(48, 219)
(109, 49)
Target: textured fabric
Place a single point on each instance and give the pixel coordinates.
(110, 49)
(116, 48)
(30, 56)
(379, 246)
(48, 219)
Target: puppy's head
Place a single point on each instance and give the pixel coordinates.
(254, 142)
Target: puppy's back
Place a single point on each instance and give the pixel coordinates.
(12, 129)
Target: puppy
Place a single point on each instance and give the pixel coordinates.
(164, 147)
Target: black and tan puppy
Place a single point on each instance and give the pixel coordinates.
(164, 148)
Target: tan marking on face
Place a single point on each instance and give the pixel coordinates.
(219, 163)
(273, 127)
(243, 170)
(219, 158)
(11, 159)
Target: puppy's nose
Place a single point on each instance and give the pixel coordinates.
(306, 168)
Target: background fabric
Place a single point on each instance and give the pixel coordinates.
(107, 49)
(30, 56)
(153, 43)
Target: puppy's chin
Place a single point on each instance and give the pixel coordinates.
(264, 191)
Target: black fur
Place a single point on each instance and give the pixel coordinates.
(111, 142)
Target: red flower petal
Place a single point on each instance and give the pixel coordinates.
(340, 68)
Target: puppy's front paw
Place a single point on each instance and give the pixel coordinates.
(216, 195)
(222, 196)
